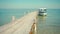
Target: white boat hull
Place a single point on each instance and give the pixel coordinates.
(43, 14)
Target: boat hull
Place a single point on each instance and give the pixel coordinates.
(42, 14)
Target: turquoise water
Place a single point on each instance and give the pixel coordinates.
(6, 14)
(49, 24)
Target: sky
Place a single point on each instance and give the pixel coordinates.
(17, 4)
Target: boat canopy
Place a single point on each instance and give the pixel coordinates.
(42, 10)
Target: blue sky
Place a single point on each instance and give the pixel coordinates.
(16, 4)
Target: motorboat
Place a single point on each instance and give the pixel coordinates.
(42, 12)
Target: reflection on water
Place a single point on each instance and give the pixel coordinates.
(43, 27)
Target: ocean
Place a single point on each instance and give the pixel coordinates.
(49, 24)
(6, 14)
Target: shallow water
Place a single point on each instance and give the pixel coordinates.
(49, 24)
(6, 14)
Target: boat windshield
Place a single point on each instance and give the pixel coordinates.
(42, 10)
